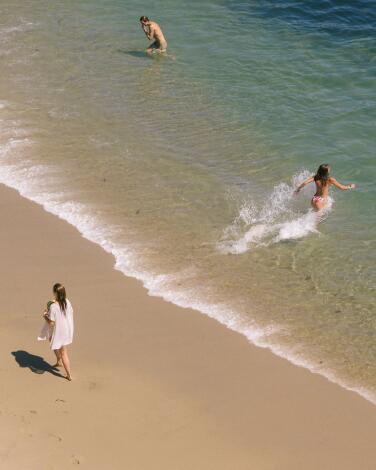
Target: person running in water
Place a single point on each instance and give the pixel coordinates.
(323, 181)
(152, 31)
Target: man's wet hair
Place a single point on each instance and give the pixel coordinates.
(144, 19)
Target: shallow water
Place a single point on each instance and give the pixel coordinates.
(183, 166)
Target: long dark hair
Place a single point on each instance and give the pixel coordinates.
(322, 174)
(61, 296)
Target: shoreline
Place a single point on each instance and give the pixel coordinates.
(156, 385)
(121, 264)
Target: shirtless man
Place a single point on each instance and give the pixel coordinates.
(153, 31)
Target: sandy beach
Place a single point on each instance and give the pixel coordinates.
(155, 386)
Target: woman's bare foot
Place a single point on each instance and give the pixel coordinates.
(68, 377)
(58, 364)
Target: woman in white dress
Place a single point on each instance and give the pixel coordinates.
(59, 317)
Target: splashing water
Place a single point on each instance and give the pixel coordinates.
(157, 189)
(279, 219)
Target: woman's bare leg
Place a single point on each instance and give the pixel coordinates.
(64, 357)
(58, 358)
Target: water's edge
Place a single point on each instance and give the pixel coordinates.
(123, 264)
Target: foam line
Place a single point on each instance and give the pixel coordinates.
(28, 180)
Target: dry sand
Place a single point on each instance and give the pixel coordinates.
(156, 386)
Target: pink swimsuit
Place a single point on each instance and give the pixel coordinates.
(317, 199)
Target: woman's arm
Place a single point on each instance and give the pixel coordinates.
(338, 185)
(46, 317)
(305, 182)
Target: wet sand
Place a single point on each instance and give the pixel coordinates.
(155, 386)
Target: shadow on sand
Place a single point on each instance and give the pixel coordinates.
(35, 363)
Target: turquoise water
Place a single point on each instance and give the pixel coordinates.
(183, 166)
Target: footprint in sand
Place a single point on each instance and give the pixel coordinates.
(55, 437)
(25, 420)
(93, 385)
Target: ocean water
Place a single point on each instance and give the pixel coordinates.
(183, 166)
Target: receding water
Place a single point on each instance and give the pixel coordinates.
(183, 166)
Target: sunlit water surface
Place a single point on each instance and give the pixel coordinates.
(183, 166)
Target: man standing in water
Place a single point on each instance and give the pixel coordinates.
(153, 31)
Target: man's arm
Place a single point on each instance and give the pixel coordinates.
(150, 33)
(145, 30)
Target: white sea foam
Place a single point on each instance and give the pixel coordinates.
(277, 219)
(28, 180)
(21, 27)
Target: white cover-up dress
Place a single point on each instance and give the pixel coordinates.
(62, 332)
